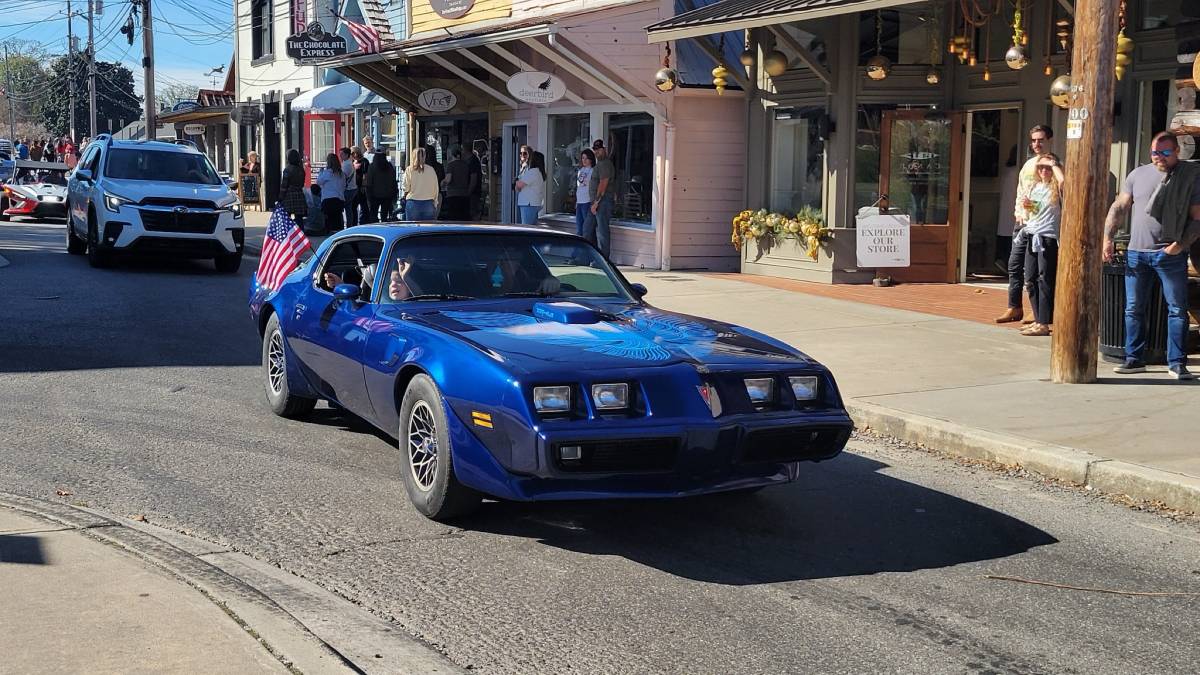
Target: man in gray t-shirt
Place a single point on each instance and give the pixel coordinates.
(1171, 189)
(600, 187)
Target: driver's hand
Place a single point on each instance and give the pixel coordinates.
(550, 285)
(332, 280)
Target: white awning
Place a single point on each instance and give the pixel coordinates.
(334, 98)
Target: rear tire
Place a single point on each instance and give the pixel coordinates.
(3, 208)
(75, 245)
(275, 380)
(426, 457)
(97, 257)
(228, 263)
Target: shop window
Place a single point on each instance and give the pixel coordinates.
(1161, 13)
(631, 143)
(797, 162)
(569, 135)
(321, 143)
(904, 38)
(866, 155)
(262, 28)
(1157, 107)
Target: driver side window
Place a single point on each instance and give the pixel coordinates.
(354, 261)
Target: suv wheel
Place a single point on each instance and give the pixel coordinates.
(75, 245)
(228, 263)
(97, 257)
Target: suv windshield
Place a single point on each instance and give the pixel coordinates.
(160, 165)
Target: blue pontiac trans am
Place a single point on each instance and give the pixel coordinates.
(517, 363)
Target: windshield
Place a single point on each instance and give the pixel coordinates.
(469, 266)
(161, 165)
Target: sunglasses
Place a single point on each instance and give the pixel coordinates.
(1161, 153)
(1045, 167)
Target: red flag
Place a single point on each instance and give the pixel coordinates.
(366, 36)
(284, 243)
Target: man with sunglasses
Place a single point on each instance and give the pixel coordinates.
(1039, 144)
(1164, 200)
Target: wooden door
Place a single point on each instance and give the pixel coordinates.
(920, 170)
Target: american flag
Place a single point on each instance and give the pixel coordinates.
(281, 250)
(367, 37)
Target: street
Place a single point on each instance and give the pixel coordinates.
(137, 389)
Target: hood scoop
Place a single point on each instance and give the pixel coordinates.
(566, 312)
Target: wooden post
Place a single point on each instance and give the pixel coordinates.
(1086, 199)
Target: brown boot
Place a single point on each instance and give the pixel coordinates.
(1010, 315)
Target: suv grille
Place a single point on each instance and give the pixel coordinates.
(170, 221)
(621, 456)
(792, 444)
(172, 202)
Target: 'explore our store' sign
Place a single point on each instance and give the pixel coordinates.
(883, 241)
(314, 45)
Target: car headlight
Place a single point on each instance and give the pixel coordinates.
(552, 399)
(611, 396)
(761, 390)
(236, 209)
(114, 203)
(805, 387)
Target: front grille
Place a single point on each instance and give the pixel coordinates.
(793, 444)
(171, 221)
(189, 248)
(635, 455)
(172, 202)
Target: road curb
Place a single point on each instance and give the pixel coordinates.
(1056, 461)
(307, 628)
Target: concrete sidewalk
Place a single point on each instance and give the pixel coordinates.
(978, 390)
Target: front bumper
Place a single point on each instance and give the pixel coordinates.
(36, 209)
(197, 233)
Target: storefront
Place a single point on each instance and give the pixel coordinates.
(458, 77)
(912, 106)
(205, 122)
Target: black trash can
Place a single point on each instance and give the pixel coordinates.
(1112, 316)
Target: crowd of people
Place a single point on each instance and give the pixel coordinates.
(594, 190)
(48, 150)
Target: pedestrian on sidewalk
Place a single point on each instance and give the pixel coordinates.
(1039, 143)
(531, 185)
(583, 198)
(291, 188)
(1043, 209)
(420, 189)
(361, 163)
(601, 189)
(350, 194)
(1164, 199)
(380, 185)
(333, 192)
(457, 185)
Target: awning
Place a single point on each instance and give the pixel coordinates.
(214, 115)
(334, 98)
(726, 15)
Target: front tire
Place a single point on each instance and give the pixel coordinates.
(275, 380)
(96, 256)
(75, 245)
(228, 263)
(426, 457)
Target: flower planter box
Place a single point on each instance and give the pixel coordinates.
(788, 258)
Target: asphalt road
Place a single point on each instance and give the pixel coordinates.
(138, 390)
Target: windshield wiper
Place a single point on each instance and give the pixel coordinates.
(439, 296)
(526, 294)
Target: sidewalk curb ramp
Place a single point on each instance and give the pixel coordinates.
(306, 627)
(1175, 490)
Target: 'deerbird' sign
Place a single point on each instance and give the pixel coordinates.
(315, 45)
(536, 87)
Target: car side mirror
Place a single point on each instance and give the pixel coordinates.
(639, 290)
(346, 291)
(83, 175)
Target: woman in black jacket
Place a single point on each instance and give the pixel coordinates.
(381, 188)
(291, 188)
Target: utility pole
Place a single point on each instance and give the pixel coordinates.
(70, 72)
(91, 53)
(148, 70)
(1085, 194)
(8, 94)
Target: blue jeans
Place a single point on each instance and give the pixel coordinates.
(419, 209)
(1172, 271)
(595, 228)
(582, 212)
(529, 214)
(351, 208)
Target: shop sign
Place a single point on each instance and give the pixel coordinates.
(315, 45)
(246, 114)
(437, 100)
(451, 9)
(536, 87)
(883, 241)
(185, 105)
(193, 129)
(299, 16)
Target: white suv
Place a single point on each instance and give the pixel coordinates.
(151, 197)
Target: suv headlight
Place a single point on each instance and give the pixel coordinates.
(234, 207)
(552, 399)
(114, 202)
(805, 387)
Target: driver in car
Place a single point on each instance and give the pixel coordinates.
(400, 287)
(518, 277)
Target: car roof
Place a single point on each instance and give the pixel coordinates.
(408, 228)
(156, 145)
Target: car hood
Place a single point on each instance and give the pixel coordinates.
(587, 336)
(45, 189)
(137, 190)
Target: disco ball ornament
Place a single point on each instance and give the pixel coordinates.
(666, 79)
(879, 67)
(1060, 89)
(933, 76)
(1015, 57)
(776, 63)
(747, 57)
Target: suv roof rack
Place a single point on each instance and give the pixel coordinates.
(107, 138)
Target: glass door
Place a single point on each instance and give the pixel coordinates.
(515, 135)
(921, 173)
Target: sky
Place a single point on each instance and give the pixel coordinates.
(191, 37)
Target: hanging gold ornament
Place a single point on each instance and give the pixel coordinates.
(972, 61)
(719, 74)
(1060, 89)
(666, 79)
(987, 74)
(775, 63)
(878, 66)
(747, 57)
(1062, 29)
(1015, 56)
(1124, 44)
(1049, 69)
(932, 76)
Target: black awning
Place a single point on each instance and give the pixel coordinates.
(727, 15)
